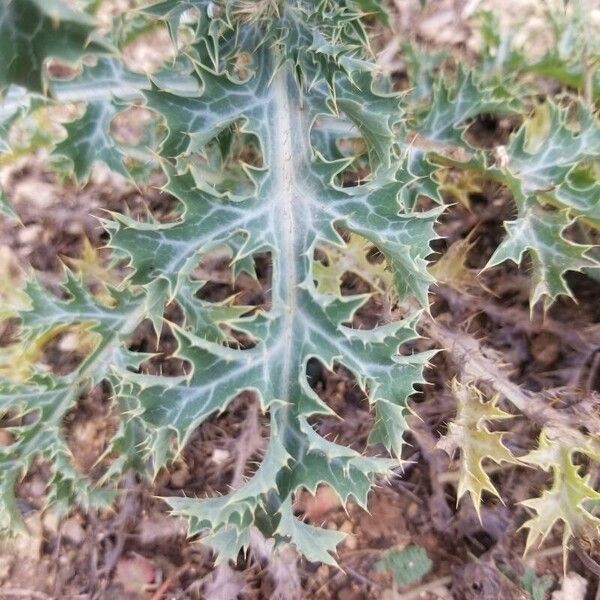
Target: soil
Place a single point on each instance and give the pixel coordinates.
(135, 551)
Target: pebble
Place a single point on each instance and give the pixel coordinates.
(50, 522)
(69, 342)
(180, 476)
(412, 510)
(220, 456)
(30, 234)
(6, 439)
(36, 487)
(73, 531)
(346, 527)
(350, 541)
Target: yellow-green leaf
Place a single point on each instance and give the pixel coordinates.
(469, 433)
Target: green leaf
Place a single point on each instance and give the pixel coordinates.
(548, 158)
(15, 104)
(88, 140)
(536, 587)
(316, 544)
(292, 205)
(540, 233)
(32, 31)
(300, 64)
(377, 8)
(452, 107)
(550, 166)
(507, 62)
(407, 565)
(44, 398)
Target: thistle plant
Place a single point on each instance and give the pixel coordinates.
(266, 71)
(251, 114)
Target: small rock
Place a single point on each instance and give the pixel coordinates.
(317, 506)
(180, 476)
(220, 456)
(73, 531)
(158, 529)
(347, 527)
(545, 348)
(135, 573)
(350, 541)
(36, 488)
(28, 235)
(50, 522)
(75, 227)
(413, 510)
(34, 192)
(69, 342)
(6, 439)
(573, 587)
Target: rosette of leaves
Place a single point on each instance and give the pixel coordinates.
(266, 73)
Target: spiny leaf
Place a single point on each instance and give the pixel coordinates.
(315, 543)
(544, 152)
(88, 140)
(570, 498)
(44, 398)
(548, 162)
(550, 167)
(302, 61)
(32, 31)
(292, 205)
(541, 233)
(352, 258)
(377, 8)
(451, 268)
(452, 107)
(509, 63)
(460, 186)
(469, 433)
(94, 270)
